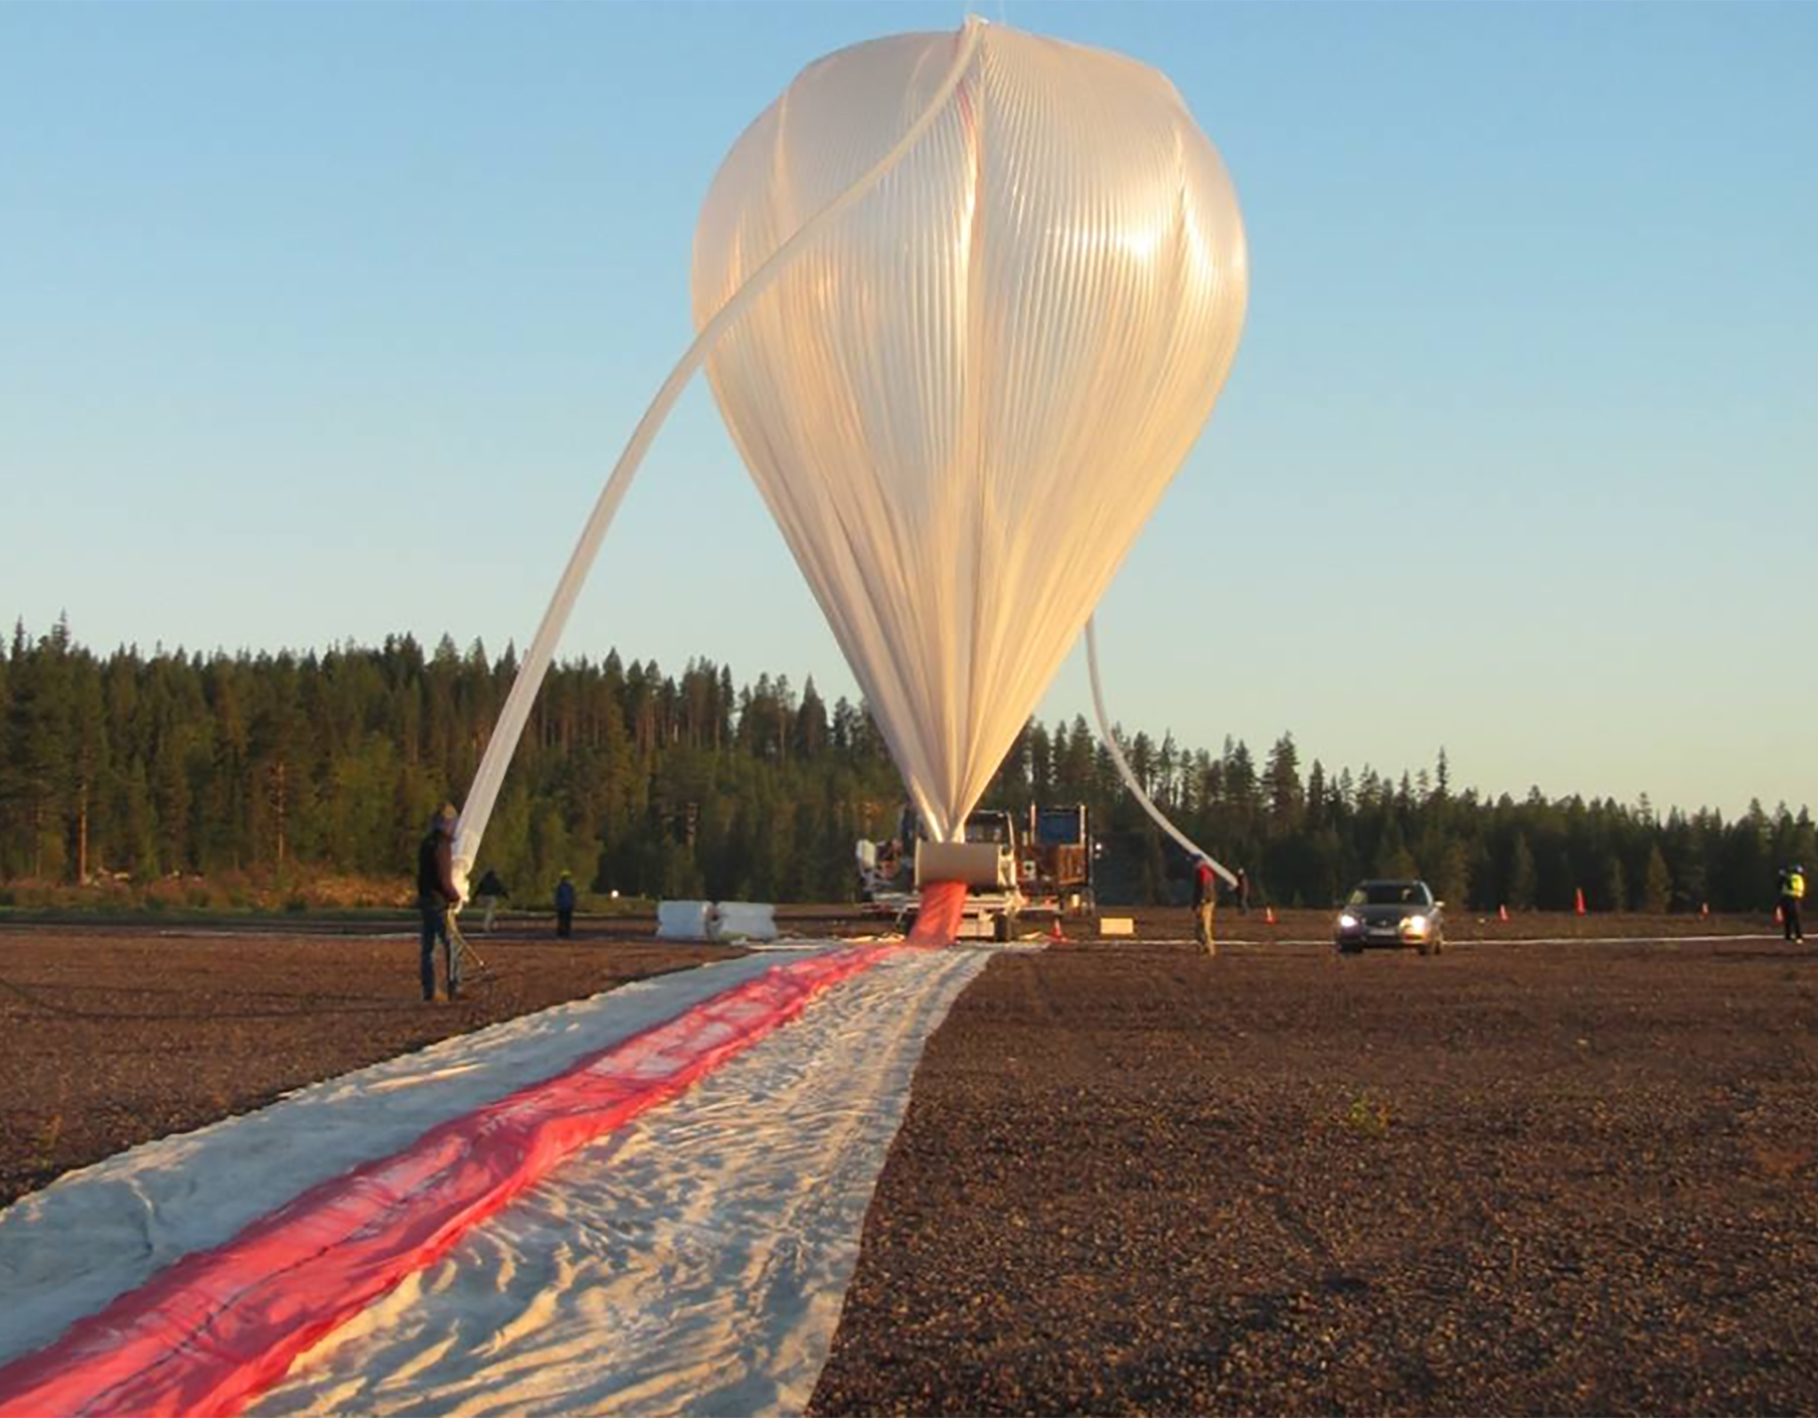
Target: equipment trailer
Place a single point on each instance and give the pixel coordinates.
(1045, 870)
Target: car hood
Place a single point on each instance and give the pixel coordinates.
(1387, 915)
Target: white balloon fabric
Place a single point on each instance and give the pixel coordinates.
(969, 299)
(964, 398)
(483, 794)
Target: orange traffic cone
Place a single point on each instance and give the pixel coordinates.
(1268, 915)
(1055, 932)
(1578, 900)
(1704, 911)
(1502, 913)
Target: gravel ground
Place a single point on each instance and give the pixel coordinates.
(1534, 1179)
(113, 1035)
(1519, 1177)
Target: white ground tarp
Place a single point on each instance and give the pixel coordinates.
(695, 1263)
(94, 1234)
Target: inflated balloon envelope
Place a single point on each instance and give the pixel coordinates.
(966, 300)
(965, 399)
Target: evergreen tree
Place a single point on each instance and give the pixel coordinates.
(1287, 800)
(1520, 875)
(36, 769)
(640, 781)
(1041, 763)
(1614, 895)
(1316, 796)
(1075, 768)
(1392, 859)
(1240, 779)
(809, 735)
(1657, 884)
(1449, 871)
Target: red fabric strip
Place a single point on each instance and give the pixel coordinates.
(210, 1332)
(943, 908)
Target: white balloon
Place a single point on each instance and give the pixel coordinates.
(964, 399)
(483, 793)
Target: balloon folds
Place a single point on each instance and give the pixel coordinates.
(962, 400)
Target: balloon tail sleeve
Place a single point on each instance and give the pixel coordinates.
(943, 908)
(510, 728)
(1186, 843)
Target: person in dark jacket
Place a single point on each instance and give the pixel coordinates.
(437, 896)
(1240, 892)
(489, 893)
(564, 904)
(1205, 902)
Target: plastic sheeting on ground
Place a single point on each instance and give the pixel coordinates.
(744, 920)
(695, 1262)
(684, 920)
(716, 920)
(216, 1327)
(93, 1234)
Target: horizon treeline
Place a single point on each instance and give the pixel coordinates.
(143, 766)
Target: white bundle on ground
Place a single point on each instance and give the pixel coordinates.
(744, 920)
(716, 920)
(684, 920)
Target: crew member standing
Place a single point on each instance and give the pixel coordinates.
(436, 897)
(1205, 901)
(1792, 892)
(564, 904)
(489, 893)
(1240, 892)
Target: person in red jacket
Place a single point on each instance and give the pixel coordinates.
(1205, 901)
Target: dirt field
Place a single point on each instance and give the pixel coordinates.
(1516, 1178)
(113, 1035)
(1520, 1177)
(1162, 923)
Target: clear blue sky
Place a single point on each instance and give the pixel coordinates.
(322, 322)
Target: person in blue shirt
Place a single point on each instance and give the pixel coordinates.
(564, 904)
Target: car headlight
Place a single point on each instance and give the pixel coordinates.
(1347, 922)
(1415, 925)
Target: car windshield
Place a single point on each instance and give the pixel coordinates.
(1391, 893)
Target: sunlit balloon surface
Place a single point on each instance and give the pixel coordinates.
(965, 398)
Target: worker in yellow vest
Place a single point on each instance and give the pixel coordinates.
(1792, 892)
